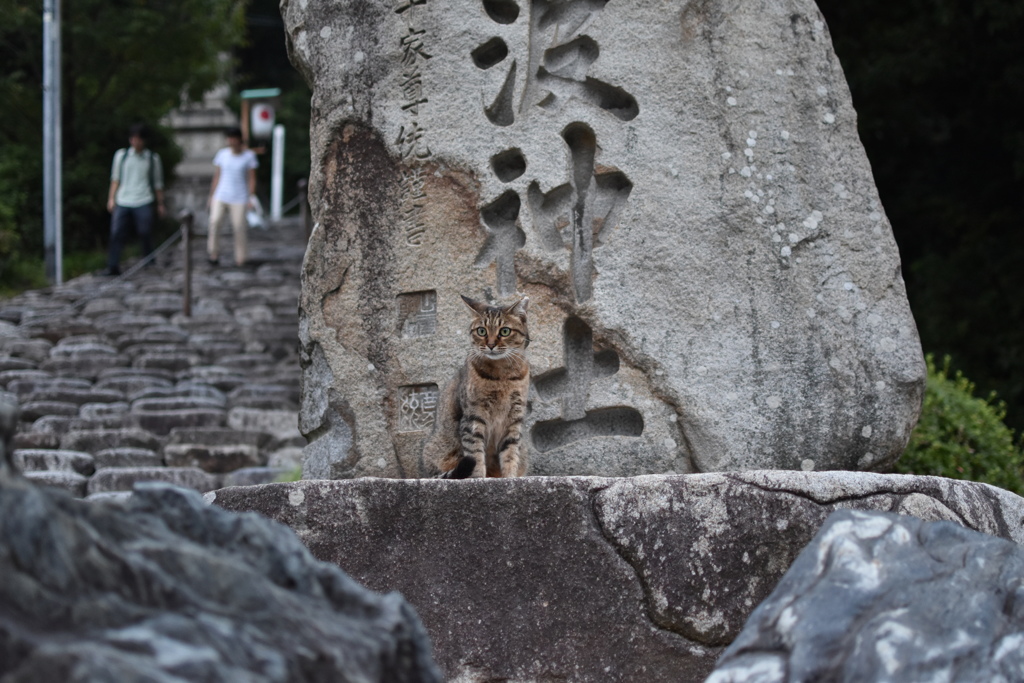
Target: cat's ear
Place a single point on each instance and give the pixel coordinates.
(476, 306)
(519, 307)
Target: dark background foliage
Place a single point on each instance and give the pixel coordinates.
(939, 89)
(123, 61)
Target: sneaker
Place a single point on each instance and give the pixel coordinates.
(213, 261)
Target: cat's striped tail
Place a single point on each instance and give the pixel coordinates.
(463, 470)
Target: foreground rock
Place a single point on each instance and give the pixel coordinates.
(165, 588)
(593, 579)
(678, 186)
(877, 597)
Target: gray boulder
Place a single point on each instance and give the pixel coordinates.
(881, 597)
(593, 579)
(162, 587)
(679, 188)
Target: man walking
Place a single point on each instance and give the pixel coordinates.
(136, 192)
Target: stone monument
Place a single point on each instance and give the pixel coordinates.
(679, 188)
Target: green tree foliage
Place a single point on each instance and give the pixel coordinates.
(962, 436)
(123, 61)
(939, 86)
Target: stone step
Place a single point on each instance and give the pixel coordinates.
(213, 459)
(39, 460)
(163, 348)
(31, 439)
(163, 303)
(72, 482)
(155, 404)
(288, 458)
(175, 361)
(95, 440)
(128, 323)
(111, 421)
(35, 350)
(216, 436)
(23, 386)
(127, 457)
(56, 329)
(282, 425)
(161, 422)
(83, 366)
(109, 496)
(100, 411)
(247, 361)
(33, 410)
(71, 394)
(102, 306)
(254, 476)
(15, 363)
(224, 379)
(124, 478)
(86, 348)
(9, 376)
(117, 373)
(156, 334)
(185, 388)
(53, 424)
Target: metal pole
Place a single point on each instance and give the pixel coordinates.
(186, 245)
(277, 173)
(52, 185)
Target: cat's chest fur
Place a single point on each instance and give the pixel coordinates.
(493, 393)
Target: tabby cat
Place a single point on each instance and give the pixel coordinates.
(479, 423)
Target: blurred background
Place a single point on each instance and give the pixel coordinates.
(938, 86)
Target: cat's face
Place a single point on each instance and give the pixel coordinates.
(498, 332)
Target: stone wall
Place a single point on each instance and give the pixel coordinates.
(680, 189)
(594, 579)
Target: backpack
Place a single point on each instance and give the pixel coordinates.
(152, 169)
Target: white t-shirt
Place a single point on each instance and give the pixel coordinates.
(233, 188)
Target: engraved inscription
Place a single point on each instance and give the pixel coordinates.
(504, 238)
(417, 407)
(571, 384)
(412, 141)
(557, 59)
(554, 64)
(417, 314)
(412, 201)
(579, 214)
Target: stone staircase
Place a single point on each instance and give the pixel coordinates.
(117, 386)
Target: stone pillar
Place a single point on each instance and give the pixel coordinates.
(679, 188)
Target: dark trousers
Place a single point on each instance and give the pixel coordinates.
(121, 220)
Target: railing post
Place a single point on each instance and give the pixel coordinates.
(186, 244)
(303, 187)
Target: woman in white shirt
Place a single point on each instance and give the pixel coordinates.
(232, 190)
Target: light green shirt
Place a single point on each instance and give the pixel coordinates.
(134, 189)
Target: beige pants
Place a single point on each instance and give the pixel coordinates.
(238, 226)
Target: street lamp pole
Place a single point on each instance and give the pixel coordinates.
(52, 185)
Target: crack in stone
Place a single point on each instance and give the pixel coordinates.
(898, 498)
(652, 614)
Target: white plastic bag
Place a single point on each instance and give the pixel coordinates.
(254, 214)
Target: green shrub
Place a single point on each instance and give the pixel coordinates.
(962, 436)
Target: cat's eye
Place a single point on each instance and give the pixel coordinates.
(482, 331)
(504, 332)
